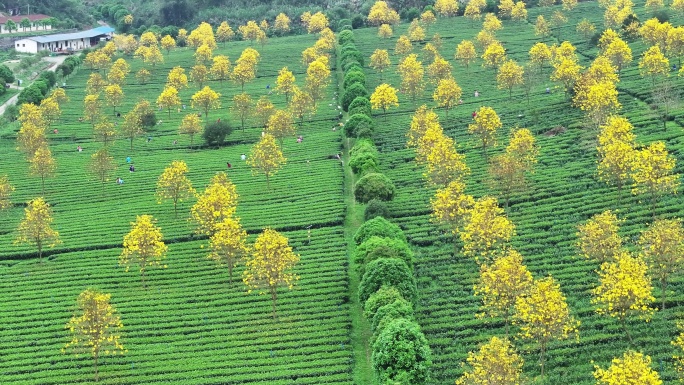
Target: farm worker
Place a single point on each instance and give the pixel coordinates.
(228, 165)
(477, 94)
(299, 140)
(79, 148)
(131, 169)
(474, 114)
(548, 90)
(243, 156)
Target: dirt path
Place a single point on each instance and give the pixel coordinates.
(55, 60)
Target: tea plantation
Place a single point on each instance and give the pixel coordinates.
(190, 325)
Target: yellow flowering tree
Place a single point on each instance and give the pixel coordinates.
(415, 31)
(624, 289)
(270, 265)
(266, 157)
(169, 99)
(35, 228)
(494, 55)
(510, 74)
(447, 94)
(403, 46)
(496, 363)
(519, 12)
(491, 23)
(95, 327)
(586, 28)
(446, 8)
(501, 283)
(220, 68)
(540, 53)
(450, 206)
(412, 73)
(385, 31)
(616, 152)
(439, 69)
(598, 238)
(317, 78)
(168, 43)
(652, 173)
(224, 33)
(217, 202)
(380, 61)
(6, 190)
(487, 232)
(542, 27)
(383, 98)
(280, 124)
(173, 183)
(301, 104)
(242, 107)
(206, 99)
(381, 13)
(102, 165)
(465, 52)
(114, 95)
(473, 10)
(543, 316)
(282, 23)
(42, 165)
(228, 244)
(199, 74)
(443, 162)
(485, 126)
(285, 82)
(143, 246)
(662, 248)
(653, 63)
(632, 368)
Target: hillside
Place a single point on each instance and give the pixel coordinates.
(192, 326)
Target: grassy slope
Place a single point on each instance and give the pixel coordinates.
(191, 326)
(565, 192)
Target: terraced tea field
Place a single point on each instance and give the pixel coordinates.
(565, 192)
(191, 326)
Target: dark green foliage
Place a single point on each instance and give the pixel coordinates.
(356, 123)
(384, 296)
(216, 131)
(358, 21)
(354, 91)
(149, 119)
(11, 113)
(379, 227)
(379, 247)
(49, 77)
(662, 15)
(42, 86)
(354, 77)
(388, 272)
(409, 14)
(352, 65)
(352, 55)
(176, 12)
(401, 354)
(376, 208)
(385, 314)
(360, 105)
(348, 47)
(363, 156)
(6, 74)
(364, 133)
(170, 30)
(374, 186)
(30, 94)
(345, 37)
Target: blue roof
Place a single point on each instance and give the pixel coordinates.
(72, 36)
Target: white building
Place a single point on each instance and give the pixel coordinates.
(37, 23)
(64, 42)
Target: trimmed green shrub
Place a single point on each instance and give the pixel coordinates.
(352, 65)
(354, 77)
(388, 272)
(6, 74)
(385, 314)
(358, 21)
(345, 37)
(357, 122)
(379, 227)
(354, 91)
(352, 55)
(363, 156)
(401, 354)
(347, 48)
(379, 247)
(374, 186)
(216, 131)
(360, 105)
(384, 296)
(376, 208)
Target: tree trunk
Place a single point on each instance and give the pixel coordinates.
(542, 357)
(42, 183)
(131, 142)
(175, 208)
(624, 327)
(663, 287)
(97, 374)
(274, 298)
(268, 182)
(142, 277)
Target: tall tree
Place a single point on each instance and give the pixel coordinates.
(95, 327)
(510, 75)
(206, 99)
(6, 190)
(242, 107)
(266, 157)
(228, 244)
(317, 79)
(485, 125)
(443, 162)
(280, 124)
(653, 63)
(487, 232)
(496, 363)
(173, 183)
(662, 248)
(168, 99)
(624, 289)
(270, 265)
(412, 73)
(383, 98)
(500, 285)
(598, 238)
(177, 78)
(653, 174)
(114, 95)
(191, 125)
(102, 165)
(217, 202)
(199, 74)
(543, 316)
(35, 228)
(285, 82)
(380, 61)
(447, 94)
(632, 368)
(143, 246)
(451, 205)
(43, 165)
